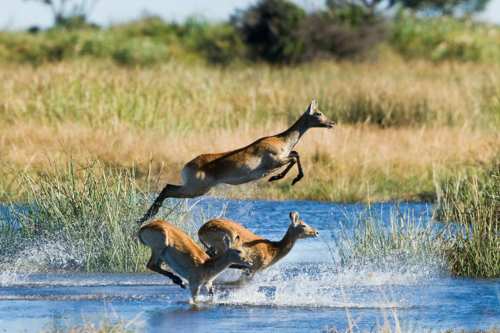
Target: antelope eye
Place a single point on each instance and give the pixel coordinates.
(317, 113)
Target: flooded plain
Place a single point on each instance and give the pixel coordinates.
(310, 290)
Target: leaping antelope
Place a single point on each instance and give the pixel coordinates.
(262, 252)
(174, 247)
(257, 160)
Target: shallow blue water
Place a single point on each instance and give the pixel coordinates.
(306, 291)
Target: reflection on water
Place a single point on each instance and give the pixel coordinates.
(308, 290)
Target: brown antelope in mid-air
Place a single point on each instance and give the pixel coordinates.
(257, 160)
(173, 246)
(262, 252)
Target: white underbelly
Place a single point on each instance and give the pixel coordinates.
(253, 169)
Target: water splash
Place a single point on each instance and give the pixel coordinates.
(326, 285)
(11, 277)
(40, 256)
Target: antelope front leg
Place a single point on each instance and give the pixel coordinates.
(154, 265)
(284, 172)
(291, 162)
(299, 166)
(175, 279)
(294, 158)
(195, 290)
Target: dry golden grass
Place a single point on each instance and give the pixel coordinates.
(401, 124)
(348, 163)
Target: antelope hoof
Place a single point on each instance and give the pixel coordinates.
(296, 179)
(179, 282)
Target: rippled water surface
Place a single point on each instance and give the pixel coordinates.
(307, 291)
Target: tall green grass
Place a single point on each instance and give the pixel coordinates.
(469, 245)
(404, 242)
(473, 202)
(91, 213)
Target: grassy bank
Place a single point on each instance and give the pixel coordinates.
(401, 124)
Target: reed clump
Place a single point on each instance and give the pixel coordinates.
(91, 212)
(403, 242)
(468, 245)
(472, 202)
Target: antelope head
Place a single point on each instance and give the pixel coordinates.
(315, 118)
(299, 228)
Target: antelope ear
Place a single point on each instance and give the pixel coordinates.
(312, 107)
(237, 241)
(294, 217)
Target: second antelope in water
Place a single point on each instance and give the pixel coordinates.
(259, 159)
(262, 252)
(173, 246)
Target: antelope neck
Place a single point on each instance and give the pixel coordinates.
(293, 134)
(284, 245)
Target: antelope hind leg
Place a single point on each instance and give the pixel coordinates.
(173, 191)
(155, 207)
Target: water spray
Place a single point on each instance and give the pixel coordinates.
(332, 256)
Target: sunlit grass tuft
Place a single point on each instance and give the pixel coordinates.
(404, 241)
(472, 201)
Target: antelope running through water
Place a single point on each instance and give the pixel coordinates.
(257, 160)
(174, 247)
(262, 252)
